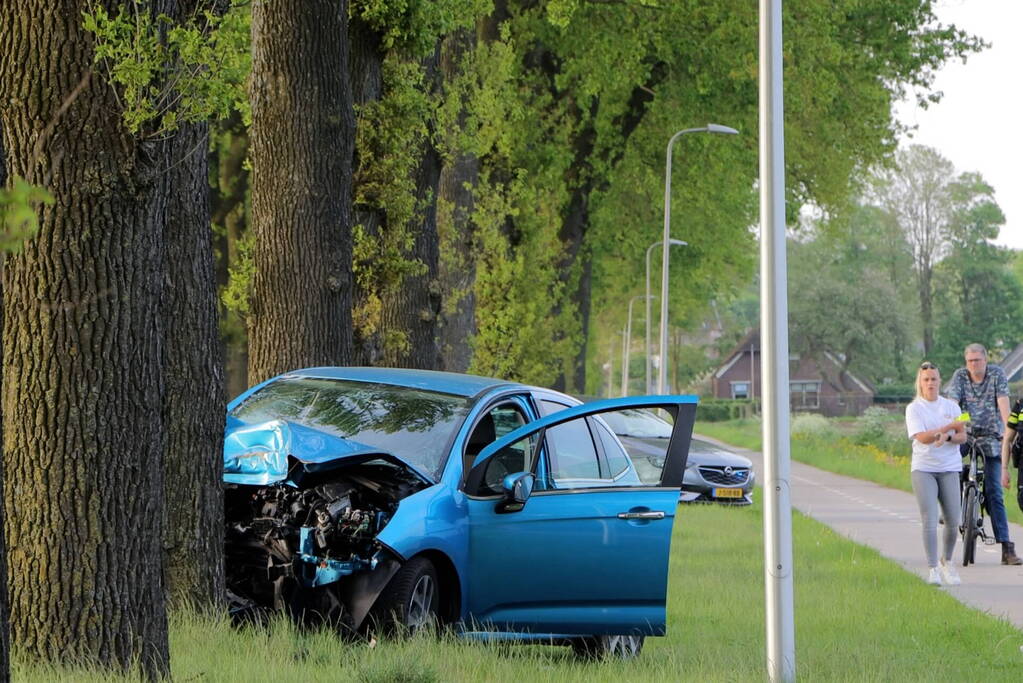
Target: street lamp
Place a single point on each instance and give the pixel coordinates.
(628, 339)
(662, 373)
(674, 242)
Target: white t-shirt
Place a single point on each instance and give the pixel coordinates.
(927, 416)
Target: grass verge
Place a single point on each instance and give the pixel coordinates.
(859, 617)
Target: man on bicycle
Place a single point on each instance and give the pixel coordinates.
(983, 391)
(1012, 451)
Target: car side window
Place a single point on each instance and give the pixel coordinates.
(499, 421)
(572, 452)
(614, 454)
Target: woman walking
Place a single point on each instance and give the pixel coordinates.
(936, 435)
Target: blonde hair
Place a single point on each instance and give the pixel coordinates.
(919, 374)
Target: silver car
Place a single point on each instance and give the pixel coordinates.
(712, 474)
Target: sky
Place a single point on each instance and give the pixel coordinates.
(976, 125)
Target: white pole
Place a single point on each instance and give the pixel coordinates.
(625, 360)
(774, 349)
(646, 363)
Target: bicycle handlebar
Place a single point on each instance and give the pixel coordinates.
(974, 433)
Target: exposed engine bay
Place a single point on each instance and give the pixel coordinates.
(306, 545)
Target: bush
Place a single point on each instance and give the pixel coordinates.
(895, 393)
(812, 426)
(871, 425)
(722, 409)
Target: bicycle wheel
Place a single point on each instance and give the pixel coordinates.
(969, 525)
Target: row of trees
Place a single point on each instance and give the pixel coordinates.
(911, 272)
(449, 184)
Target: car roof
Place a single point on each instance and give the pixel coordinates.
(432, 380)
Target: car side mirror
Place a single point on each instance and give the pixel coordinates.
(516, 488)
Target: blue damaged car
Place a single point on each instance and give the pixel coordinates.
(379, 498)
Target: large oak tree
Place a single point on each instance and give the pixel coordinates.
(301, 151)
(82, 378)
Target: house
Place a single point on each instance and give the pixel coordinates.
(817, 384)
(1012, 363)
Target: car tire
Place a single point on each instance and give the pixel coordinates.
(409, 602)
(608, 647)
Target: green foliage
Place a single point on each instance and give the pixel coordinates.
(235, 295)
(18, 216)
(166, 71)
(853, 276)
(390, 135)
(720, 410)
(526, 332)
(413, 27)
(813, 426)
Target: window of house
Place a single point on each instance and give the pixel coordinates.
(740, 390)
(804, 394)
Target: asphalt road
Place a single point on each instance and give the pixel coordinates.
(889, 521)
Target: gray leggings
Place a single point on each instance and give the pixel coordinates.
(932, 488)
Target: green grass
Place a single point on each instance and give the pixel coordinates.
(743, 433)
(859, 617)
(839, 455)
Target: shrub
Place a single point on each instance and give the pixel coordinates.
(812, 426)
(871, 425)
(721, 409)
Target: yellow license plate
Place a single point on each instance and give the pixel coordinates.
(728, 493)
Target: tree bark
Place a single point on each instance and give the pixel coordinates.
(82, 377)
(456, 267)
(366, 59)
(412, 309)
(301, 143)
(194, 375)
(5, 659)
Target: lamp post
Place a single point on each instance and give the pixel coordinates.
(662, 373)
(625, 359)
(628, 339)
(672, 241)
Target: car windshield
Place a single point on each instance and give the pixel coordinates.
(413, 424)
(638, 423)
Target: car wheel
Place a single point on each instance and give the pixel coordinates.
(608, 647)
(970, 517)
(409, 602)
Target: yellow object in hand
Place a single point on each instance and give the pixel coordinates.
(965, 417)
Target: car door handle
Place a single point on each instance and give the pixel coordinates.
(652, 514)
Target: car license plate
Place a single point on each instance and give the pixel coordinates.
(728, 493)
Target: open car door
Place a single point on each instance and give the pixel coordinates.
(568, 535)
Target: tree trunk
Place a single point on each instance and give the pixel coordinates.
(82, 376)
(301, 144)
(926, 317)
(412, 308)
(366, 58)
(457, 267)
(194, 376)
(5, 659)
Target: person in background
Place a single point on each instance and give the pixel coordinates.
(936, 434)
(983, 391)
(1012, 449)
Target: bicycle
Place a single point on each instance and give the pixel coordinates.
(973, 500)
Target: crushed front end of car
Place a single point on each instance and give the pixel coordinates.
(303, 509)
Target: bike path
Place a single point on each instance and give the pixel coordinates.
(888, 520)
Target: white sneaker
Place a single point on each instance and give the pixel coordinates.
(934, 577)
(949, 574)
